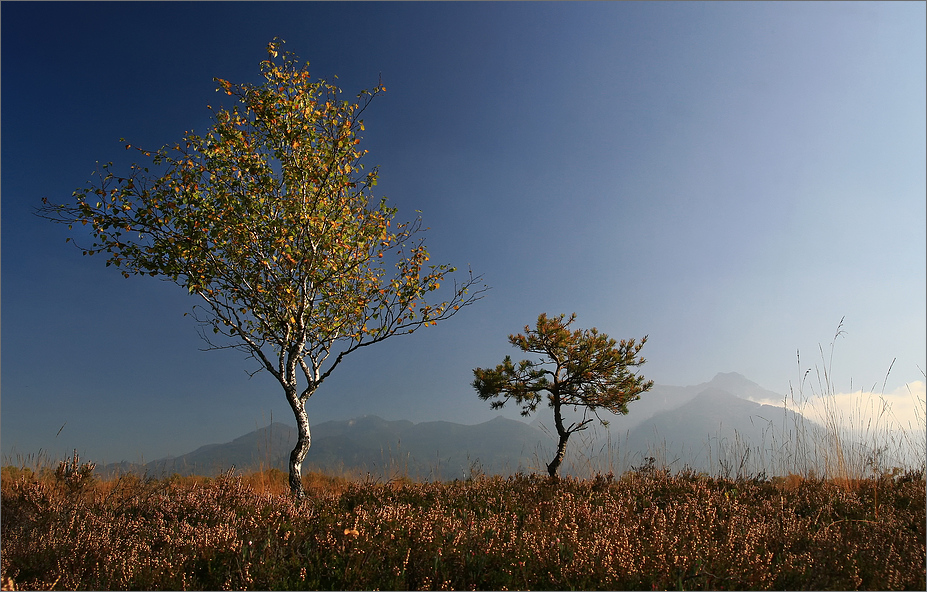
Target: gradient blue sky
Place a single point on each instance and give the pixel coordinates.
(731, 179)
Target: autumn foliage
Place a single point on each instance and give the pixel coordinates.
(270, 219)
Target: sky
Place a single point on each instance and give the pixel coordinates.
(730, 179)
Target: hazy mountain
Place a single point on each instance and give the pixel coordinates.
(666, 398)
(704, 427)
(718, 431)
(427, 450)
(707, 427)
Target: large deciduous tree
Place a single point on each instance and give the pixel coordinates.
(270, 220)
(579, 369)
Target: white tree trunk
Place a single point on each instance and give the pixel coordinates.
(303, 441)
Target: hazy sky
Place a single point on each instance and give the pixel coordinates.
(729, 179)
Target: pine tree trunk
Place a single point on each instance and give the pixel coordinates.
(561, 452)
(561, 445)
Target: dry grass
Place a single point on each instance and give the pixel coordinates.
(866, 440)
(645, 530)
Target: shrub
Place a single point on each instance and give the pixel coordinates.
(648, 529)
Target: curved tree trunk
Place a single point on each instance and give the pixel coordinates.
(561, 452)
(303, 441)
(561, 444)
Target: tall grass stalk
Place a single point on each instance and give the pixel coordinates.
(829, 442)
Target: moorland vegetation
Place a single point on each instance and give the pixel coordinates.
(646, 529)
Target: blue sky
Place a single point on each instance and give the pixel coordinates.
(729, 179)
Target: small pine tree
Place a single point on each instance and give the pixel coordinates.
(576, 369)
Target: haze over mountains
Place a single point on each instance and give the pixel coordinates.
(708, 427)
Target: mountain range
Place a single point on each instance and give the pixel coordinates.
(706, 427)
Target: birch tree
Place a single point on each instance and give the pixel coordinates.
(580, 369)
(269, 219)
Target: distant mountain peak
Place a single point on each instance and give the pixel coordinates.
(740, 386)
(730, 377)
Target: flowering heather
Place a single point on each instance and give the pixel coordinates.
(645, 530)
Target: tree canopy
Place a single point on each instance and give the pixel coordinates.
(579, 369)
(269, 219)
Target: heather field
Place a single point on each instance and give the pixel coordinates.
(647, 529)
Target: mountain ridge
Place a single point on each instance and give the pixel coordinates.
(691, 426)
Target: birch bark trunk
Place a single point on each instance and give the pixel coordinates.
(303, 441)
